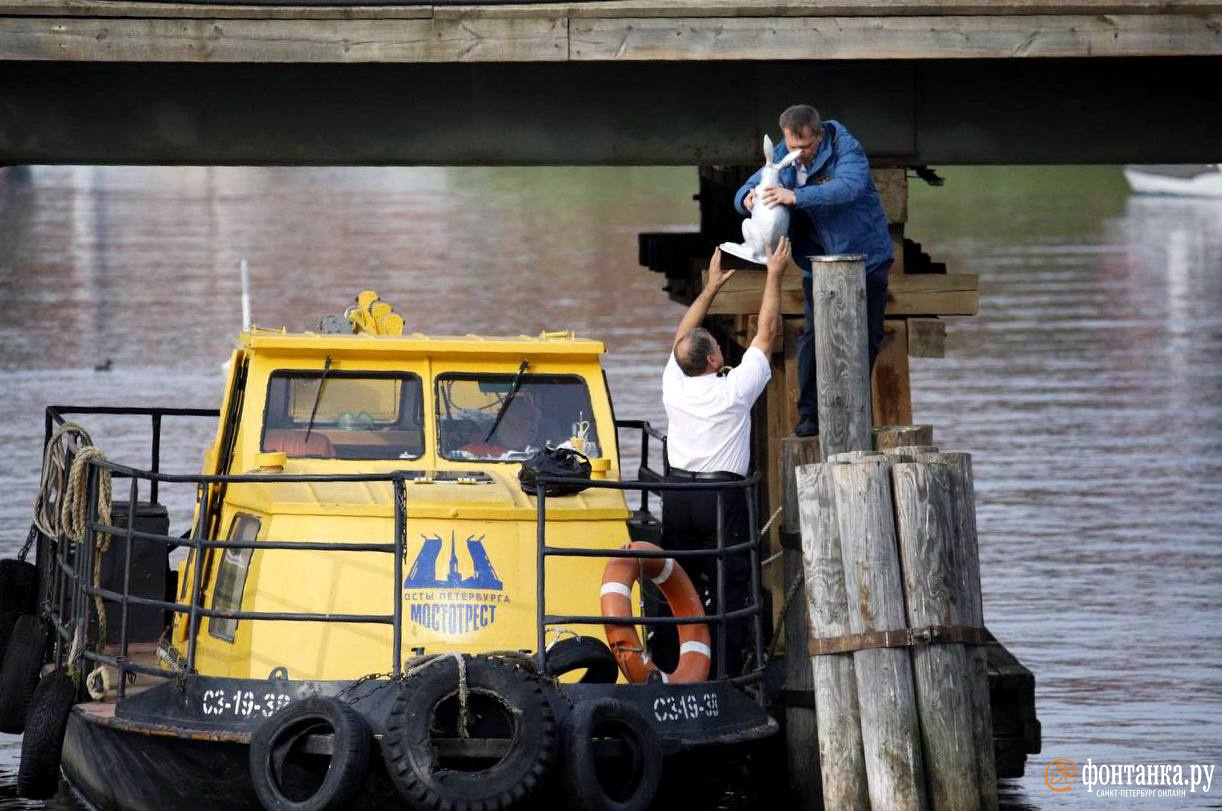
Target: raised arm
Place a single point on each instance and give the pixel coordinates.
(695, 313)
(770, 304)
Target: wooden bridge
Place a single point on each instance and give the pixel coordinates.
(613, 82)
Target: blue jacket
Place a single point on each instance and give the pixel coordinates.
(838, 210)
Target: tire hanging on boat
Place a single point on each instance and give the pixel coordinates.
(624, 777)
(286, 776)
(577, 652)
(18, 595)
(506, 708)
(43, 743)
(20, 670)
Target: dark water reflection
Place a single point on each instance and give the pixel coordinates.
(1089, 388)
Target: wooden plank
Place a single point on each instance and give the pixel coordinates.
(896, 231)
(116, 8)
(907, 294)
(801, 723)
(934, 595)
(891, 388)
(841, 755)
(933, 294)
(893, 191)
(887, 437)
(320, 41)
(792, 328)
(926, 338)
(824, 8)
(932, 37)
(885, 689)
(842, 355)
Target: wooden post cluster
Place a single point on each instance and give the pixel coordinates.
(885, 548)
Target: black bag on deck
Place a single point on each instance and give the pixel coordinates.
(558, 462)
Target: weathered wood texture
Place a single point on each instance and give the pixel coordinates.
(886, 694)
(846, 457)
(139, 32)
(841, 755)
(616, 8)
(885, 689)
(747, 38)
(894, 436)
(801, 723)
(842, 355)
(916, 294)
(891, 386)
(892, 186)
(541, 39)
(926, 338)
(965, 549)
(933, 595)
(910, 453)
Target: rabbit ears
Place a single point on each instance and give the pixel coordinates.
(785, 161)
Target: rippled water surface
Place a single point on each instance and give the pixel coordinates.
(1089, 388)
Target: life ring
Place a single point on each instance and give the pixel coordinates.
(695, 651)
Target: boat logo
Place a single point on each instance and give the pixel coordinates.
(461, 601)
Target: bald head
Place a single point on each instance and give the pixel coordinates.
(697, 353)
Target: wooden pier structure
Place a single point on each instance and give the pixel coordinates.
(609, 82)
(645, 82)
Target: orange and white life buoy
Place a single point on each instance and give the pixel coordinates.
(695, 650)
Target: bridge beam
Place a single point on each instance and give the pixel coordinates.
(1030, 111)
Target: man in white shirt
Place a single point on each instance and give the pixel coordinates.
(708, 407)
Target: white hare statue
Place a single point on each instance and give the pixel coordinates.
(765, 225)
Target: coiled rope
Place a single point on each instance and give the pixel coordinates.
(62, 509)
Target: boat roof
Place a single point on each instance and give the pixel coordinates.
(546, 343)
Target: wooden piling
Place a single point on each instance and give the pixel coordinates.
(934, 597)
(801, 725)
(842, 354)
(967, 553)
(841, 756)
(885, 690)
(894, 436)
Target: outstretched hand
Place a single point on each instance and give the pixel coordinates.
(778, 260)
(717, 276)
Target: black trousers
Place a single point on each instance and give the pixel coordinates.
(689, 521)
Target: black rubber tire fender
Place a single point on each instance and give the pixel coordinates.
(18, 595)
(277, 739)
(575, 652)
(43, 743)
(593, 786)
(411, 758)
(20, 670)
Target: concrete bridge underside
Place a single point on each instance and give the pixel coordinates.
(631, 82)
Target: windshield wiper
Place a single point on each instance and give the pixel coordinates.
(322, 381)
(513, 392)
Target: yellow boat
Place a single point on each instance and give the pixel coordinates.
(379, 605)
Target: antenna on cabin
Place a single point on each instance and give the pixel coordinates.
(245, 270)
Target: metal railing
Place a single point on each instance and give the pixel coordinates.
(67, 602)
(719, 553)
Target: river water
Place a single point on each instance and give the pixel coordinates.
(1089, 388)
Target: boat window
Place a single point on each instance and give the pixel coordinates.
(360, 415)
(552, 409)
(231, 579)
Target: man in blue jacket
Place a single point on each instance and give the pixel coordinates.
(835, 210)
